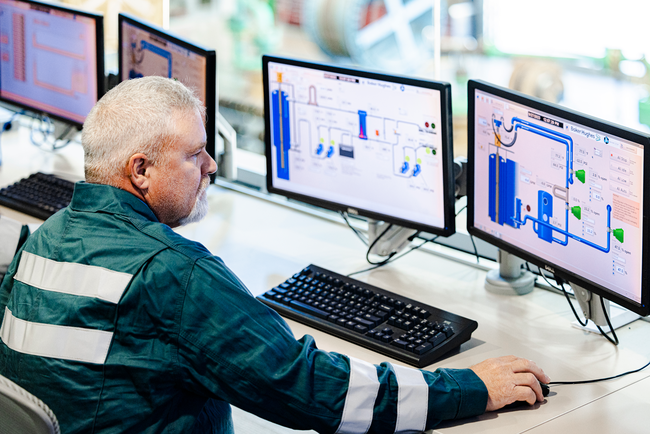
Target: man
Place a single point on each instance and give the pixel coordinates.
(121, 325)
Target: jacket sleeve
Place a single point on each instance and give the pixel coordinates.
(234, 348)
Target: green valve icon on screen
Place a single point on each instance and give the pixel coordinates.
(618, 234)
(580, 174)
(577, 211)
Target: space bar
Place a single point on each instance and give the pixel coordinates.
(309, 309)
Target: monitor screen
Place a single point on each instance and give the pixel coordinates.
(51, 58)
(561, 190)
(146, 50)
(365, 143)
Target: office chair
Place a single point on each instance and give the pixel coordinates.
(23, 413)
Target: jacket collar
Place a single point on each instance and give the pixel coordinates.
(105, 198)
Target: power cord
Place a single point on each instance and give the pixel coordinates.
(395, 258)
(597, 380)
(355, 230)
(385, 261)
(560, 282)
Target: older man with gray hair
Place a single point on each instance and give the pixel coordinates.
(121, 325)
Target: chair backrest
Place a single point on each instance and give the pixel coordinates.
(21, 412)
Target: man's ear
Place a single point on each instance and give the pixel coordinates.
(137, 169)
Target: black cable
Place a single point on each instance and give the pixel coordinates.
(609, 323)
(365, 269)
(461, 210)
(389, 260)
(471, 237)
(385, 261)
(355, 230)
(584, 324)
(569, 301)
(597, 380)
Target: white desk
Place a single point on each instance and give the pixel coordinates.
(265, 243)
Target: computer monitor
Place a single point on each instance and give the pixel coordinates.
(365, 143)
(51, 59)
(561, 190)
(146, 50)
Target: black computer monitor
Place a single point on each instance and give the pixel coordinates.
(51, 59)
(146, 50)
(360, 142)
(562, 190)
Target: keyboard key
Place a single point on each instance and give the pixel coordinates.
(363, 321)
(309, 309)
(438, 338)
(423, 348)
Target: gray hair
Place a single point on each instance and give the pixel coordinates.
(136, 116)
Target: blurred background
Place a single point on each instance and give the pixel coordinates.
(588, 55)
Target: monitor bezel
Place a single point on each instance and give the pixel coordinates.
(642, 308)
(446, 146)
(99, 48)
(211, 70)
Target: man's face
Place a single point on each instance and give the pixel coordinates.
(177, 192)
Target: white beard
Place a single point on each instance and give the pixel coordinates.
(200, 208)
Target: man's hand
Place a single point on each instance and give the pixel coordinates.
(509, 379)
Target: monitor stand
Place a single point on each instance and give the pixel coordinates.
(62, 130)
(510, 278)
(593, 310)
(393, 241)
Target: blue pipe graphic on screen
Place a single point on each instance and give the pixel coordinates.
(503, 205)
(281, 131)
(568, 234)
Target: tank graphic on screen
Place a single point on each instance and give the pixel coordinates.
(556, 220)
(325, 132)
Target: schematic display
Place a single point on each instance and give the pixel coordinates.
(145, 54)
(561, 191)
(356, 140)
(48, 59)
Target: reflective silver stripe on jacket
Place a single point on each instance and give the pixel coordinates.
(10, 235)
(71, 278)
(360, 398)
(412, 400)
(60, 342)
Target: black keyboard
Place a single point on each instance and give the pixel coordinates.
(380, 320)
(40, 195)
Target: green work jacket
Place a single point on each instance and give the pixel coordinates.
(121, 325)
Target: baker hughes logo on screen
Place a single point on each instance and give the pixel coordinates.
(587, 134)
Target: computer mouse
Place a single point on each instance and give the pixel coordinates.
(545, 389)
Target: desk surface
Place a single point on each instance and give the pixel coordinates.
(264, 243)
